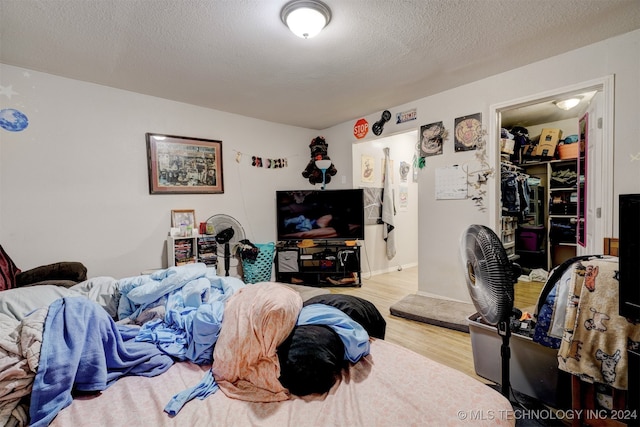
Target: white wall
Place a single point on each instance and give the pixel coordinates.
(401, 148)
(441, 223)
(74, 183)
(568, 127)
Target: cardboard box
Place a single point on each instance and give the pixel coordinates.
(561, 253)
(507, 145)
(549, 139)
(533, 367)
(528, 150)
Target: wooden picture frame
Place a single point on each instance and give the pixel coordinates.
(183, 216)
(183, 165)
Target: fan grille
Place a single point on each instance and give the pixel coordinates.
(222, 222)
(489, 274)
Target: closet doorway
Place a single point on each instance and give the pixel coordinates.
(540, 111)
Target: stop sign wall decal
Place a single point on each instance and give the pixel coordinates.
(361, 128)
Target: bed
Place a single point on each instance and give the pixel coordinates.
(375, 383)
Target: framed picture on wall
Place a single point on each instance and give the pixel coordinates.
(367, 163)
(184, 217)
(183, 165)
(431, 139)
(468, 131)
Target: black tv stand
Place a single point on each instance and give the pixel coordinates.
(327, 263)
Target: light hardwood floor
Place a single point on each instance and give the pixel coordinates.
(449, 347)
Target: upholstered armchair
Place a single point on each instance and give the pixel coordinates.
(66, 273)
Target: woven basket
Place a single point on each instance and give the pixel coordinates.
(259, 270)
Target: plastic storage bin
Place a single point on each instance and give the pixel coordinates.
(533, 367)
(530, 238)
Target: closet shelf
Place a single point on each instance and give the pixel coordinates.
(563, 188)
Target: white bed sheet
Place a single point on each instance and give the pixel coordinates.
(392, 386)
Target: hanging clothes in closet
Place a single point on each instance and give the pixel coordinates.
(515, 191)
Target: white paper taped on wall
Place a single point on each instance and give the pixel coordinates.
(451, 183)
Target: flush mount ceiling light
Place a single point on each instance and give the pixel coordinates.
(567, 104)
(305, 18)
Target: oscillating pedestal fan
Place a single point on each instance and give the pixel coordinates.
(490, 277)
(227, 231)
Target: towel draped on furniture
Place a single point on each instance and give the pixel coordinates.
(552, 304)
(596, 336)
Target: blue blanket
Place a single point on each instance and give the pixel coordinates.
(354, 337)
(193, 297)
(83, 349)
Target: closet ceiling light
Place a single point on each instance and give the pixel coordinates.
(305, 18)
(567, 104)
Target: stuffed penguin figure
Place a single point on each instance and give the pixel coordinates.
(319, 148)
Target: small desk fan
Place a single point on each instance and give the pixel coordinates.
(227, 231)
(490, 277)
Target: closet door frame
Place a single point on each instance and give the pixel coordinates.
(605, 202)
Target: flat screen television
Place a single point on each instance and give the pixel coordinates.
(320, 214)
(629, 255)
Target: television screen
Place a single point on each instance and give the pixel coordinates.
(320, 214)
(629, 255)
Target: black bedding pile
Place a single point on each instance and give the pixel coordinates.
(359, 309)
(312, 357)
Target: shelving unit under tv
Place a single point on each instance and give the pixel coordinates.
(327, 263)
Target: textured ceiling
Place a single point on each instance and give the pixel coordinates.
(237, 56)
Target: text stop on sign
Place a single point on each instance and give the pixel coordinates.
(360, 129)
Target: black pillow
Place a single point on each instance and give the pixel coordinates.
(360, 310)
(311, 359)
